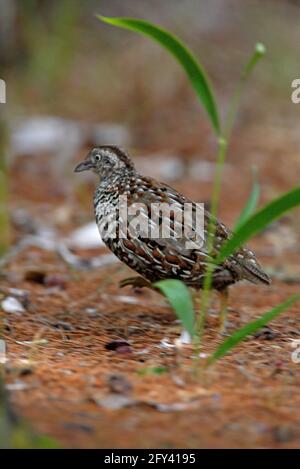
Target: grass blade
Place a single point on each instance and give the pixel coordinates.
(251, 203)
(259, 221)
(250, 328)
(184, 56)
(223, 142)
(180, 299)
(258, 53)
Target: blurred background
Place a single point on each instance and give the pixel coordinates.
(73, 82)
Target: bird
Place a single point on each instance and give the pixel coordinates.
(133, 230)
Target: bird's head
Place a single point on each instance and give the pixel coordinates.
(106, 160)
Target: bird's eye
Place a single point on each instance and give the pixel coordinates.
(97, 158)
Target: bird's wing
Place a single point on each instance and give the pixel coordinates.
(187, 246)
(157, 234)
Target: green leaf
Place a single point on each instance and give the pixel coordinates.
(178, 49)
(251, 203)
(250, 328)
(180, 299)
(259, 221)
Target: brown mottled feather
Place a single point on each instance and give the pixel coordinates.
(162, 257)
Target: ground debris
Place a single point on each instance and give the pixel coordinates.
(120, 346)
(117, 401)
(283, 434)
(17, 386)
(114, 401)
(266, 333)
(12, 305)
(119, 384)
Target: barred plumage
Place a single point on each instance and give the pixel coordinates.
(159, 258)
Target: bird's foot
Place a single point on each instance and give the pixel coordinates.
(136, 283)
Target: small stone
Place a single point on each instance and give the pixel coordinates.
(266, 333)
(165, 343)
(21, 295)
(77, 426)
(120, 346)
(12, 305)
(17, 386)
(282, 434)
(114, 401)
(124, 349)
(56, 280)
(119, 384)
(93, 312)
(63, 325)
(184, 339)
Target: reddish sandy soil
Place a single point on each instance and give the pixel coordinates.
(70, 380)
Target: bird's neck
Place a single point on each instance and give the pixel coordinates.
(115, 180)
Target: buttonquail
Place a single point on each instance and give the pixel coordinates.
(159, 257)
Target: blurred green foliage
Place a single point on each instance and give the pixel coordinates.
(15, 433)
(49, 38)
(4, 212)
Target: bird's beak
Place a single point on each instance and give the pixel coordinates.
(84, 166)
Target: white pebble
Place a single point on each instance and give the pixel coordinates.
(184, 339)
(12, 305)
(85, 237)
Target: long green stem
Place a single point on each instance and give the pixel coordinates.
(223, 142)
(222, 148)
(258, 53)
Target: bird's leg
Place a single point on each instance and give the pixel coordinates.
(201, 304)
(136, 282)
(223, 309)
